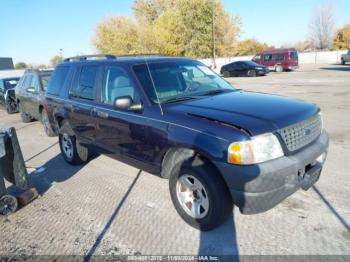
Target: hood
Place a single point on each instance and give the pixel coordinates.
(257, 113)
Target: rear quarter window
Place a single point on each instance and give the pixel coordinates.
(57, 80)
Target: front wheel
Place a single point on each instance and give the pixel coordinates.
(199, 194)
(24, 116)
(251, 73)
(72, 151)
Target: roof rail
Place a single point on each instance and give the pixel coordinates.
(85, 57)
(140, 54)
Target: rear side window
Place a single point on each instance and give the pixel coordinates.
(268, 57)
(84, 83)
(57, 80)
(279, 57)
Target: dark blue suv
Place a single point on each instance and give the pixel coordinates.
(217, 145)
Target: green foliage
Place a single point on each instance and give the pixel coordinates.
(148, 11)
(249, 47)
(56, 60)
(21, 65)
(117, 35)
(342, 38)
(175, 27)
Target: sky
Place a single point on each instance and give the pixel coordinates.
(33, 31)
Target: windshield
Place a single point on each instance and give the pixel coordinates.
(177, 80)
(10, 83)
(251, 63)
(45, 80)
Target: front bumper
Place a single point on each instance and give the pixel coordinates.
(257, 188)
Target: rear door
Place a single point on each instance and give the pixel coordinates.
(33, 96)
(24, 94)
(82, 103)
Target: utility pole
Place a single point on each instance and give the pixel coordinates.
(213, 34)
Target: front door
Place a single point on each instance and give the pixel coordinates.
(120, 132)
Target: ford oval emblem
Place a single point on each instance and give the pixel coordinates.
(307, 131)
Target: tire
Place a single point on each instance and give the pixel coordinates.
(46, 123)
(24, 116)
(226, 74)
(214, 204)
(251, 73)
(72, 152)
(342, 61)
(8, 205)
(279, 68)
(11, 109)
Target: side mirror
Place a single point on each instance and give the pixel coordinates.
(126, 103)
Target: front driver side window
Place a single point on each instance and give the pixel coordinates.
(116, 84)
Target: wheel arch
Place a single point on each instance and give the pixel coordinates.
(178, 154)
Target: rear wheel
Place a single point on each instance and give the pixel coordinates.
(226, 74)
(72, 151)
(11, 107)
(199, 194)
(24, 116)
(279, 68)
(46, 123)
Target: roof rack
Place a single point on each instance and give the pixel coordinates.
(140, 54)
(85, 57)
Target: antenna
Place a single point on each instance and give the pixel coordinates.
(154, 86)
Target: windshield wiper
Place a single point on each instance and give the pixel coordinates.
(213, 92)
(178, 99)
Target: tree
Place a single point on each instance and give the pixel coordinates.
(21, 65)
(56, 60)
(302, 46)
(117, 35)
(342, 38)
(321, 26)
(176, 27)
(148, 11)
(249, 47)
(42, 66)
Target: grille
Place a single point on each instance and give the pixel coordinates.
(301, 134)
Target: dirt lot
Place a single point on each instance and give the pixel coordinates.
(109, 208)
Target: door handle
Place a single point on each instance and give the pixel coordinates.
(102, 114)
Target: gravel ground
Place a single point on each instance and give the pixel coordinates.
(109, 208)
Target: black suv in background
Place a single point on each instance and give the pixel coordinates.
(30, 96)
(5, 85)
(175, 117)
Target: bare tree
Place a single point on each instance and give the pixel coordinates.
(321, 26)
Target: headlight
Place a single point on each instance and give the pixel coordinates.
(259, 149)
